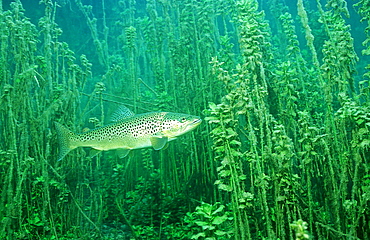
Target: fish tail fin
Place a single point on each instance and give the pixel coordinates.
(64, 140)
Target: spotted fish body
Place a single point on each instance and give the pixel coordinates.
(154, 129)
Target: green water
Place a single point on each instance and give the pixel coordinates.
(283, 90)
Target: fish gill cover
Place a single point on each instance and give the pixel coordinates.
(282, 86)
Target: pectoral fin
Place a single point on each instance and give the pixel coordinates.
(158, 142)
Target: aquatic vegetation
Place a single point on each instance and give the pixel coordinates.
(204, 222)
(283, 89)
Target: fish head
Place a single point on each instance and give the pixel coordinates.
(176, 124)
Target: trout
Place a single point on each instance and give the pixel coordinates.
(129, 131)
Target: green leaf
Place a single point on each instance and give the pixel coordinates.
(212, 106)
(362, 131)
(196, 236)
(225, 187)
(365, 143)
(219, 209)
(220, 233)
(280, 198)
(212, 119)
(360, 121)
(225, 161)
(201, 223)
(209, 227)
(235, 142)
(235, 153)
(219, 219)
(242, 177)
(230, 132)
(224, 173)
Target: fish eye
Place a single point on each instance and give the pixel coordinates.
(183, 119)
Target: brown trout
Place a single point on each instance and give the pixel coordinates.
(130, 131)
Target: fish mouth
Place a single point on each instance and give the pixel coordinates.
(192, 125)
(196, 121)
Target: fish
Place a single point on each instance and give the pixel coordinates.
(129, 131)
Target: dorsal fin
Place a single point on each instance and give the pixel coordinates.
(121, 113)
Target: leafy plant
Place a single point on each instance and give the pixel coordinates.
(300, 227)
(212, 221)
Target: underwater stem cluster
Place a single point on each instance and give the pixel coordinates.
(284, 89)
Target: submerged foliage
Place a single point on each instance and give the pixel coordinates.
(283, 152)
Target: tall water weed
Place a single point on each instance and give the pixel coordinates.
(282, 154)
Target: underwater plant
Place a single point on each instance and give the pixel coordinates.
(283, 88)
